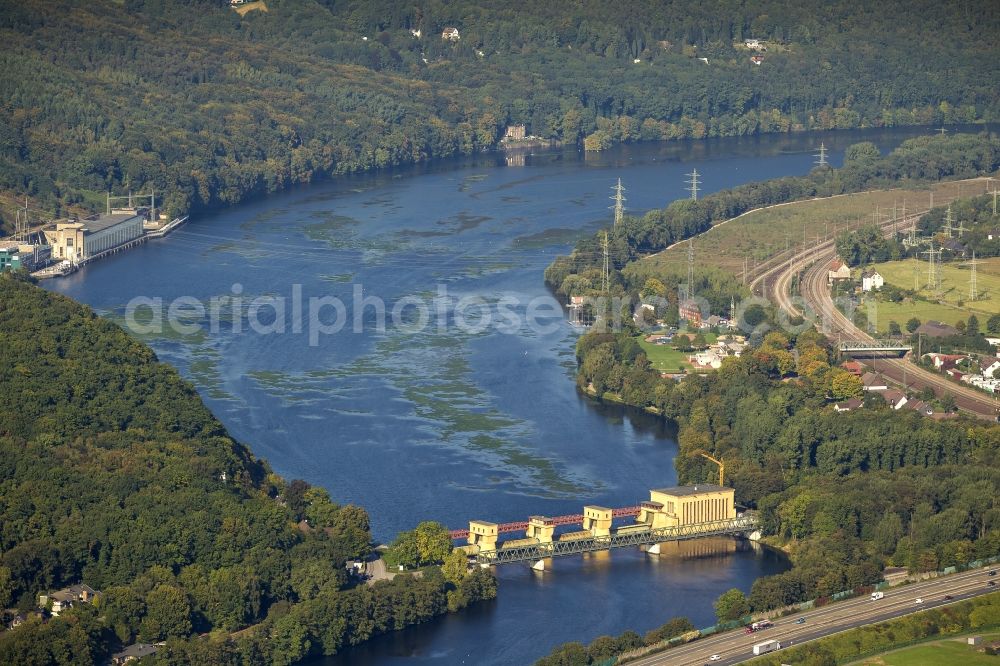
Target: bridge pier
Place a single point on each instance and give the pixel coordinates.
(597, 520)
(483, 534)
(541, 528)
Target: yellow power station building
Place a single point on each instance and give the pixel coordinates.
(687, 505)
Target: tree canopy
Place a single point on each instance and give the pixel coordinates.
(113, 473)
(208, 107)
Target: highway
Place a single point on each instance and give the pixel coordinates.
(736, 646)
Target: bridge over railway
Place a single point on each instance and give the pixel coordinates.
(880, 348)
(671, 514)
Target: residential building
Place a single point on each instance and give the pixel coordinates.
(134, 652)
(754, 44)
(839, 270)
(873, 382)
(450, 34)
(853, 367)
(896, 398)
(710, 358)
(514, 133)
(690, 311)
(67, 597)
(871, 280)
(77, 240)
(954, 246)
(848, 405)
(757, 59)
(921, 407)
(944, 361)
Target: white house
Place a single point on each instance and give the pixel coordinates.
(754, 44)
(450, 35)
(871, 280)
(991, 369)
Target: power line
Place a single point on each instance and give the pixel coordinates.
(948, 228)
(821, 156)
(973, 290)
(619, 200)
(693, 184)
(690, 258)
(933, 270)
(606, 275)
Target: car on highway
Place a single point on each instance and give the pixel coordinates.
(947, 597)
(801, 620)
(714, 657)
(991, 583)
(919, 600)
(993, 572)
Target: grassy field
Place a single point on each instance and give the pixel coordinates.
(761, 234)
(954, 282)
(885, 312)
(942, 653)
(664, 357)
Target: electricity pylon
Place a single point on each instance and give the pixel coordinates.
(619, 200)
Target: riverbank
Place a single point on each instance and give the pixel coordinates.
(450, 426)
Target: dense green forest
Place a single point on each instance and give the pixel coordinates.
(209, 107)
(845, 494)
(113, 473)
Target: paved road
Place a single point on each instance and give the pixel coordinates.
(735, 647)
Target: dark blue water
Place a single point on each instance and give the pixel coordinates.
(444, 423)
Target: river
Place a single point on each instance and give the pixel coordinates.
(447, 422)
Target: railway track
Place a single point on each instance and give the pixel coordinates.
(816, 304)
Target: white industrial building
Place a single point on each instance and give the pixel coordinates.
(78, 240)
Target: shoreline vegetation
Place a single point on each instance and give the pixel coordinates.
(311, 90)
(844, 494)
(114, 474)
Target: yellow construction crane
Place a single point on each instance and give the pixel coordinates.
(722, 466)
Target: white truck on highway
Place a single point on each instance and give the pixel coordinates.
(877, 595)
(766, 646)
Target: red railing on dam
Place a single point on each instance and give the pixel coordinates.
(575, 519)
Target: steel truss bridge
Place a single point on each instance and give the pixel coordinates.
(625, 537)
(873, 347)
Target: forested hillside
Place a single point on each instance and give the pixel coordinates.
(114, 474)
(209, 107)
(844, 493)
